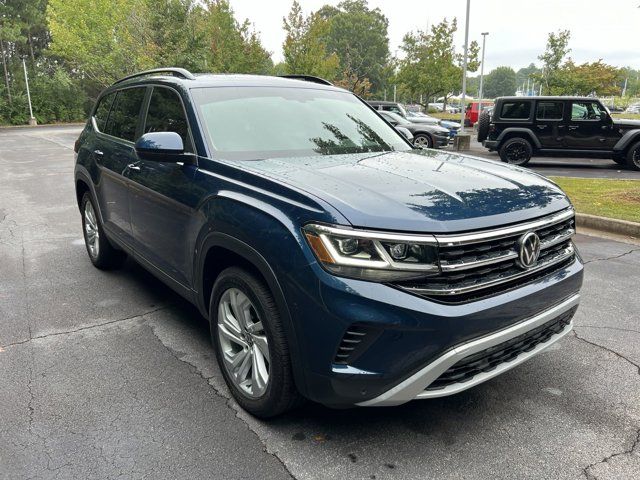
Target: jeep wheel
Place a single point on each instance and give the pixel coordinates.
(483, 126)
(516, 151)
(101, 253)
(422, 140)
(633, 157)
(251, 346)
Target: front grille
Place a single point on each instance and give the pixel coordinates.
(489, 359)
(485, 263)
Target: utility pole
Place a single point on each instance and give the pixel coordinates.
(464, 68)
(394, 92)
(32, 120)
(481, 92)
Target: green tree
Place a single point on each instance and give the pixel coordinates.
(526, 72)
(500, 82)
(358, 36)
(104, 42)
(557, 49)
(431, 67)
(304, 49)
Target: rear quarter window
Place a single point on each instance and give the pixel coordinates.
(102, 111)
(515, 110)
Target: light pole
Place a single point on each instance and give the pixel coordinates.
(480, 93)
(464, 68)
(32, 120)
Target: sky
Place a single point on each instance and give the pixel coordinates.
(518, 29)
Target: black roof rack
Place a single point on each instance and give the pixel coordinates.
(178, 72)
(308, 78)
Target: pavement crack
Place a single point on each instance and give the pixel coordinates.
(613, 257)
(575, 334)
(80, 329)
(608, 328)
(634, 444)
(228, 400)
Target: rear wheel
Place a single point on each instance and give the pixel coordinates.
(633, 157)
(101, 253)
(422, 140)
(516, 151)
(251, 346)
(483, 126)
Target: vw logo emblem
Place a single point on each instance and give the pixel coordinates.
(528, 250)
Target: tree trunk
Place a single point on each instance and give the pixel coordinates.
(6, 73)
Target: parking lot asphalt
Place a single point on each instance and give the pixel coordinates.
(110, 374)
(565, 166)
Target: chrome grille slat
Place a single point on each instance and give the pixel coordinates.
(484, 261)
(457, 290)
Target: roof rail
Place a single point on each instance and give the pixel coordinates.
(308, 78)
(178, 72)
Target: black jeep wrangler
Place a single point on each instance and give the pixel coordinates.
(520, 127)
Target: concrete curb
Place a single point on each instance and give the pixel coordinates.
(610, 225)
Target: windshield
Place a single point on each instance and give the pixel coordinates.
(251, 123)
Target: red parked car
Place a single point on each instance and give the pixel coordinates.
(472, 112)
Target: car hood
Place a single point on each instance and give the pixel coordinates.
(427, 120)
(626, 123)
(418, 190)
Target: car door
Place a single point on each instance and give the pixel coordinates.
(163, 195)
(114, 153)
(550, 126)
(589, 127)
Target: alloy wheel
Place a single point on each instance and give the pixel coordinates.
(244, 344)
(635, 158)
(92, 234)
(421, 141)
(516, 153)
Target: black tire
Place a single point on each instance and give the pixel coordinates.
(105, 256)
(281, 394)
(633, 157)
(516, 151)
(422, 140)
(483, 126)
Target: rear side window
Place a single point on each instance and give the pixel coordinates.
(166, 114)
(549, 110)
(102, 111)
(125, 113)
(516, 110)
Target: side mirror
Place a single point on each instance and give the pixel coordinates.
(161, 147)
(604, 117)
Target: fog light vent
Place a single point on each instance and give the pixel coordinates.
(355, 341)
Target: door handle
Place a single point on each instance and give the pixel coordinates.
(573, 127)
(99, 154)
(133, 166)
(541, 127)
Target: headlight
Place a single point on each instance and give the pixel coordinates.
(374, 256)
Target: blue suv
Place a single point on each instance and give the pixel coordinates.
(333, 260)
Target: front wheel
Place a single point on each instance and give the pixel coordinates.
(516, 151)
(251, 346)
(422, 140)
(633, 157)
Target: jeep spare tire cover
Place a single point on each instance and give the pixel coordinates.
(483, 126)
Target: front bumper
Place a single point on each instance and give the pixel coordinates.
(417, 385)
(418, 339)
(441, 140)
